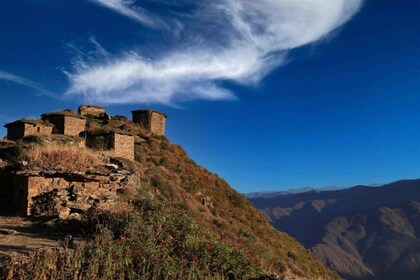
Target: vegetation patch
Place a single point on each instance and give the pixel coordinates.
(151, 242)
(55, 156)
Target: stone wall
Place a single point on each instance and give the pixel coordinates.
(150, 120)
(67, 125)
(19, 130)
(67, 195)
(33, 129)
(74, 126)
(116, 144)
(91, 110)
(124, 146)
(157, 124)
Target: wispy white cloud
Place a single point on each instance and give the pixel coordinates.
(25, 82)
(98, 47)
(127, 8)
(223, 40)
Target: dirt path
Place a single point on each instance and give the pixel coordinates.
(18, 235)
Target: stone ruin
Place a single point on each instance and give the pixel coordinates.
(66, 122)
(71, 123)
(151, 120)
(68, 195)
(24, 127)
(120, 143)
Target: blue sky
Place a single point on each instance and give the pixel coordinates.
(269, 94)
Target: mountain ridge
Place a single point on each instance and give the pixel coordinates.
(350, 229)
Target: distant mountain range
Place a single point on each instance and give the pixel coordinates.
(270, 194)
(360, 232)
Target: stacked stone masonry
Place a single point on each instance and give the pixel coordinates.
(150, 120)
(70, 123)
(67, 125)
(66, 195)
(120, 145)
(42, 193)
(124, 146)
(22, 128)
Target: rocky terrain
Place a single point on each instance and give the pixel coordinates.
(162, 190)
(361, 232)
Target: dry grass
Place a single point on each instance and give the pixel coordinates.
(59, 157)
(168, 173)
(182, 182)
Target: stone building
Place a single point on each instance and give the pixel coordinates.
(151, 120)
(66, 122)
(91, 110)
(23, 127)
(120, 144)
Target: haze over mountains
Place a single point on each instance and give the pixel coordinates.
(270, 194)
(361, 232)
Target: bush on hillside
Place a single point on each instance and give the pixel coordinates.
(153, 242)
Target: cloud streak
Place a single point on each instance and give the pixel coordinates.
(24, 82)
(249, 39)
(128, 9)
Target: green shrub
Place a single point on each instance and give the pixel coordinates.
(152, 242)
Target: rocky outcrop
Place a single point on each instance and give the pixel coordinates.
(68, 195)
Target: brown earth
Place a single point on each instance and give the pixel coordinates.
(18, 235)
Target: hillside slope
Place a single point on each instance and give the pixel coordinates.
(216, 206)
(167, 173)
(361, 233)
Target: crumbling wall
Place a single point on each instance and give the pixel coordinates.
(67, 195)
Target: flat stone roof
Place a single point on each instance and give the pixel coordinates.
(150, 110)
(28, 121)
(91, 106)
(66, 113)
